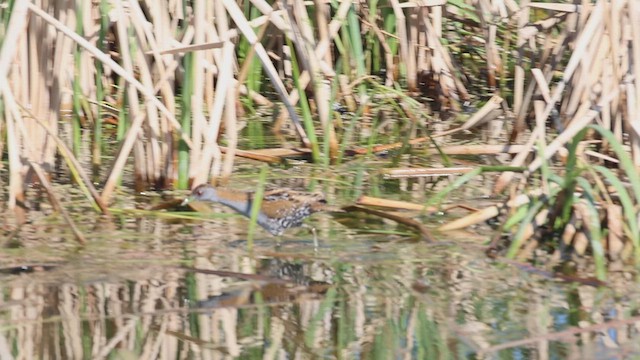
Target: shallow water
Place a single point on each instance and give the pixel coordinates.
(150, 286)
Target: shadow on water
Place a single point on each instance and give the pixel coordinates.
(148, 287)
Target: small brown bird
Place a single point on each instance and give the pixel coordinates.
(280, 209)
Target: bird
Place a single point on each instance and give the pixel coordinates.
(280, 209)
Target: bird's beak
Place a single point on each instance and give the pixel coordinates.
(186, 201)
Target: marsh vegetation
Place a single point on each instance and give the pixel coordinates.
(484, 156)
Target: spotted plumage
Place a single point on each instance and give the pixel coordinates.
(281, 209)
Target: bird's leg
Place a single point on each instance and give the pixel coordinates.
(315, 236)
(315, 239)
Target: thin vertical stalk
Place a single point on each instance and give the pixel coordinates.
(235, 13)
(185, 122)
(348, 133)
(210, 158)
(230, 117)
(76, 139)
(96, 151)
(256, 203)
(373, 48)
(196, 84)
(304, 106)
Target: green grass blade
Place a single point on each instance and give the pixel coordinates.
(626, 164)
(594, 229)
(518, 238)
(437, 198)
(304, 106)
(627, 206)
(255, 205)
(185, 121)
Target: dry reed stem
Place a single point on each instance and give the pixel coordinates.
(481, 116)
(44, 181)
(402, 31)
(394, 204)
(120, 336)
(634, 88)
(519, 72)
(489, 212)
(248, 60)
(580, 120)
(73, 163)
(305, 41)
(198, 122)
(474, 218)
(189, 48)
(413, 45)
(240, 21)
(451, 85)
(388, 54)
(530, 243)
(14, 30)
(615, 228)
(576, 126)
(322, 49)
(148, 93)
(231, 128)
(422, 172)
(422, 230)
(12, 116)
(478, 149)
(211, 158)
(121, 157)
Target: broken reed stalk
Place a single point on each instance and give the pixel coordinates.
(422, 230)
(44, 181)
(75, 167)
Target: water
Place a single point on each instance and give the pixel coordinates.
(148, 285)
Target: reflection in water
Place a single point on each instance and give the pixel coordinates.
(302, 309)
(133, 293)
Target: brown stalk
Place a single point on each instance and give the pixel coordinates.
(450, 150)
(422, 172)
(253, 155)
(422, 230)
(394, 204)
(490, 212)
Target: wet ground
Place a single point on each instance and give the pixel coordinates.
(155, 285)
